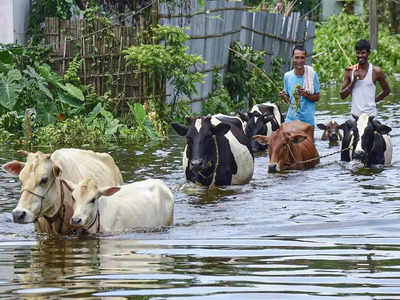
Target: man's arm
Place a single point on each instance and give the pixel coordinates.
(380, 76)
(348, 84)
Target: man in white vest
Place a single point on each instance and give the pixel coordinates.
(360, 82)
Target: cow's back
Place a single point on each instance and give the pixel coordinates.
(142, 204)
(239, 146)
(306, 149)
(297, 125)
(77, 164)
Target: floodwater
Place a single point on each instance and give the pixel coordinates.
(326, 233)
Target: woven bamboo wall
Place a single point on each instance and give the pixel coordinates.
(100, 47)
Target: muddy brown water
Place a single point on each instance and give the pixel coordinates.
(327, 233)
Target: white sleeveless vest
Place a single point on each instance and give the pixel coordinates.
(363, 95)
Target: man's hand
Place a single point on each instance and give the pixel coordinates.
(302, 92)
(284, 96)
(357, 75)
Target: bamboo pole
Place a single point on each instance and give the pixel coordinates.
(344, 53)
(257, 68)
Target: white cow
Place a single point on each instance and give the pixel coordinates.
(142, 204)
(43, 199)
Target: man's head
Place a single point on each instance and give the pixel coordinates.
(299, 58)
(363, 45)
(363, 48)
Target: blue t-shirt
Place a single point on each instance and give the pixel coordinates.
(307, 108)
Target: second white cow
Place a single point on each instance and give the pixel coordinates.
(139, 205)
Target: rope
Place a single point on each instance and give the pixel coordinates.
(314, 158)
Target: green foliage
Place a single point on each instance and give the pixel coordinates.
(41, 9)
(329, 60)
(25, 82)
(99, 127)
(10, 88)
(72, 132)
(219, 100)
(245, 82)
(71, 75)
(168, 61)
(11, 126)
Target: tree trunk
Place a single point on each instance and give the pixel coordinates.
(373, 25)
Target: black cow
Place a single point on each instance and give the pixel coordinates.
(217, 151)
(263, 119)
(368, 141)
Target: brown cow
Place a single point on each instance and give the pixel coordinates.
(289, 146)
(331, 132)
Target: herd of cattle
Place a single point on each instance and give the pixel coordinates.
(74, 190)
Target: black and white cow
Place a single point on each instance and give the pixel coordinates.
(368, 141)
(262, 119)
(217, 151)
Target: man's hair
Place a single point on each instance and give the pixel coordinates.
(363, 45)
(299, 47)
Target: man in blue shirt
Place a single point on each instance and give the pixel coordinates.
(308, 88)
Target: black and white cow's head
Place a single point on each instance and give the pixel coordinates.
(263, 119)
(365, 140)
(201, 150)
(257, 124)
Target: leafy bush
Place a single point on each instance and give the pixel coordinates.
(219, 100)
(330, 62)
(244, 82)
(167, 62)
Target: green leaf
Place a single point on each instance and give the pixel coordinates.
(43, 87)
(70, 100)
(93, 114)
(140, 113)
(9, 89)
(6, 57)
(47, 112)
(72, 91)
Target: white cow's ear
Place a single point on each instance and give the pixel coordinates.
(322, 126)
(108, 191)
(261, 139)
(13, 167)
(56, 171)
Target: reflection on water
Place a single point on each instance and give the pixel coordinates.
(326, 233)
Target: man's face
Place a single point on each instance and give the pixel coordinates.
(362, 56)
(299, 59)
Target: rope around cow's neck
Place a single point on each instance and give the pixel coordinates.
(214, 173)
(97, 218)
(314, 158)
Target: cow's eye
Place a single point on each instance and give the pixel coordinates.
(43, 181)
(283, 146)
(73, 198)
(93, 200)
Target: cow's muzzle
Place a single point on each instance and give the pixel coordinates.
(197, 165)
(360, 155)
(76, 221)
(333, 137)
(21, 217)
